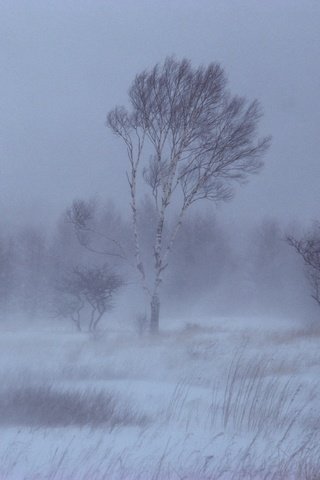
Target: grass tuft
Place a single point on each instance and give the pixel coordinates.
(46, 407)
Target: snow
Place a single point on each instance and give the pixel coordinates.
(221, 398)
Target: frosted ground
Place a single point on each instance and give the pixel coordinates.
(224, 398)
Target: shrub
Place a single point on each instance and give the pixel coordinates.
(44, 406)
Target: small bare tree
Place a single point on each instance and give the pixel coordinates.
(98, 286)
(190, 139)
(308, 248)
(82, 216)
(68, 305)
(92, 287)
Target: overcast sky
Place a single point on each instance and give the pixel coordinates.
(65, 64)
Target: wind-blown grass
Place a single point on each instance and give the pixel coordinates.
(210, 414)
(47, 407)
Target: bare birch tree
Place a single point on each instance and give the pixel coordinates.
(190, 140)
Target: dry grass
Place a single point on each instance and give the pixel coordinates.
(255, 401)
(97, 463)
(288, 337)
(46, 407)
(260, 420)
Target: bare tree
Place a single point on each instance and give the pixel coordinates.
(68, 305)
(308, 248)
(92, 287)
(98, 286)
(82, 216)
(190, 139)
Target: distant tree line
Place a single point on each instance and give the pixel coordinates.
(187, 140)
(68, 275)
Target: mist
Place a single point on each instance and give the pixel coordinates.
(214, 269)
(68, 64)
(159, 261)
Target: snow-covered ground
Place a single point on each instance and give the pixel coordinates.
(228, 398)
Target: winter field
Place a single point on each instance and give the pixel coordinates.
(224, 398)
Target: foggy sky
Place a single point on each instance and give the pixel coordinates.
(65, 64)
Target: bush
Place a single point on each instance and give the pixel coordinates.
(44, 406)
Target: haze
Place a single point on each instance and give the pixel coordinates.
(103, 374)
(66, 64)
